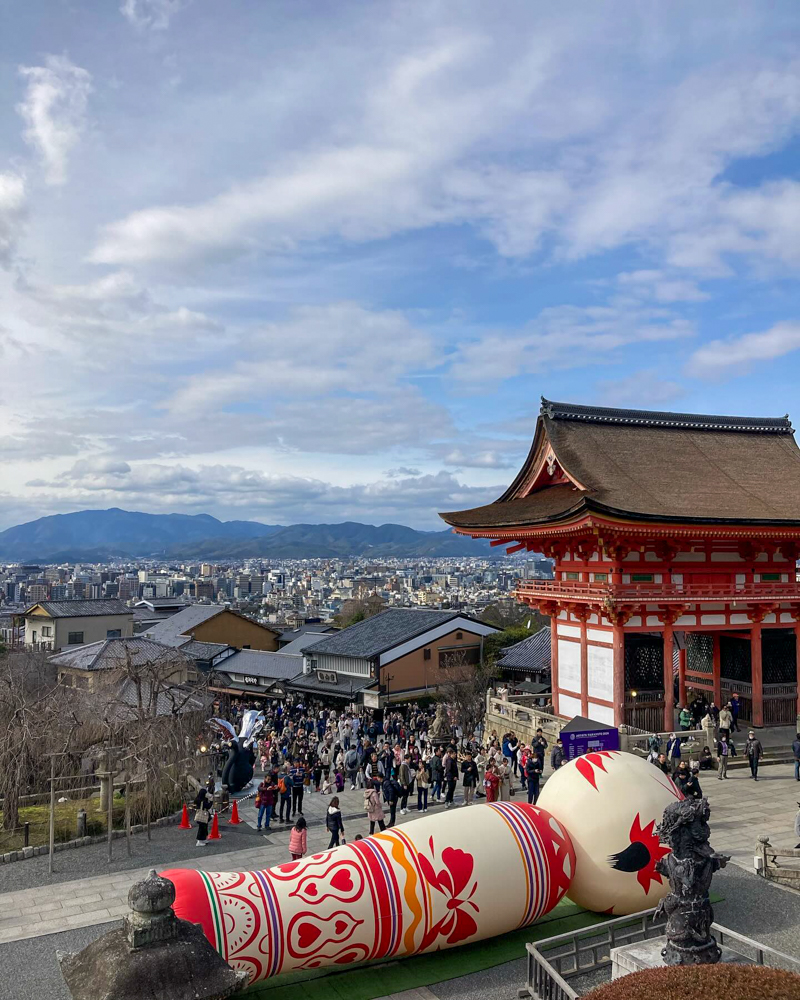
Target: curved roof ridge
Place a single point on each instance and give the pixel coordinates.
(664, 418)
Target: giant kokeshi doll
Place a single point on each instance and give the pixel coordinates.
(434, 883)
(611, 803)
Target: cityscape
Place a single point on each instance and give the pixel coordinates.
(400, 500)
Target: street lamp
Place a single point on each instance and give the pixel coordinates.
(633, 695)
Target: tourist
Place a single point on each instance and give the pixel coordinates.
(533, 773)
(264, 802)
(450, 766)
(653, 748)
(423, 783)
(687, 782)
(685, 718)
(404, 777)
(491, 783)
(298, 839)
(437, 775)
(706, 760)
(796, 754)
(735, 706)
(374, 768)
(674, 751)
(373, 805)
(202, 805)
(469, 770)
(713, 711)
(480, 763)
(512, 751)
(351, 763)
(557, 755)
(754, 752)
(663, 764)
(327, 785)
(333, 821)
(284, 796)
(504, 774)
(297, 776)
(725, 720)
(391, 793)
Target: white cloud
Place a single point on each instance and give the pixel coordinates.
(722, 358)
(235, 490)
(564, 337)
(661, 286)
(152, 14)
(13, 204)
(54, 110)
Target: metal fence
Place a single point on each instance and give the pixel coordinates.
(553, 962)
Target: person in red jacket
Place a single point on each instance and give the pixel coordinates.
(491, 783)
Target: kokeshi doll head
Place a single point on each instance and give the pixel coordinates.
(611, 802)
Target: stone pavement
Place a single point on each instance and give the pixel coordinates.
(741, 810)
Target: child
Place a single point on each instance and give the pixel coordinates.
(333, 821)
(298, 839)
(339, 780)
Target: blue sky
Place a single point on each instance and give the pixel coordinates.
(316, 261)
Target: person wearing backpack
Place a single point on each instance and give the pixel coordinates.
(285, 796)
(351, 764)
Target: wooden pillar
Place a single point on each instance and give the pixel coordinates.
(716, 670)
(756, 674)
(584, 672)
(619, 674)
(554, 661)
(682, 677)
(797, 668)
(669, 699)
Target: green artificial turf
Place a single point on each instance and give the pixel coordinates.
(376, 980)
(379, 978)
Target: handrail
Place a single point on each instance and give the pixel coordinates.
(658, 591)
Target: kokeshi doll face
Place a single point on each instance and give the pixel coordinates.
(611, 803)
(433, 883)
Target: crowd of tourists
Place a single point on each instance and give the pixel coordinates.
(400, 762)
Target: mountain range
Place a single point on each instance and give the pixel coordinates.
(101, 535)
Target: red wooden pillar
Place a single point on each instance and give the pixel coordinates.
(554, 662)
(682, 677)
(797, 667)
(584, 672)
(618, 639)
(756, 674)
(716, 670)
(669, 698)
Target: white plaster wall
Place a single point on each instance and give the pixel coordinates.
(601, 713)
(712, 619)
(570, 630)
(600, 661)
(569, 665)
(598, 635)
(569, 706)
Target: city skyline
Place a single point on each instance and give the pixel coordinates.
(310, 263)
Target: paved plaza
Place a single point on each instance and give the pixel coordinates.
(35, 903)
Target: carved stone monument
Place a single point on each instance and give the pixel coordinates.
(689, 868)
(441, 731)
(153, 954)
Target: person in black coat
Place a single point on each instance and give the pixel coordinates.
(333, 821)
(203, 805)
(391, 793)
(687, 782)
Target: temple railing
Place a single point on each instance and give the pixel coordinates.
(656, 592)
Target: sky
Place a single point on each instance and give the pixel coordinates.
(318, 260)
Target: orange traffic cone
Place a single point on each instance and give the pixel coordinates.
(215, 834)
(234, 820)
(184, 823)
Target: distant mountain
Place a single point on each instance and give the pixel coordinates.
(328, 541)
(100, 535)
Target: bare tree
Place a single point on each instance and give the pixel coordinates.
(463, 690)
(34, 722)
